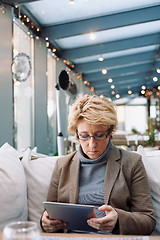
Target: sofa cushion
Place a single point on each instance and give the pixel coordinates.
(13, 190)
(34, 153)
(151, 160)
(38, 175)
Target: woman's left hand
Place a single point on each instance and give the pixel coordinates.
(107, 223)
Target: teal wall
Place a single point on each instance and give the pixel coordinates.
(6, 93)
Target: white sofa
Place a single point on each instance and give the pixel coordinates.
(151, 160)
(24, 184)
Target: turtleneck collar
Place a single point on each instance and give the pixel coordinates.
(105, 154)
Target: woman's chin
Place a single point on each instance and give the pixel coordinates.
(93, 155)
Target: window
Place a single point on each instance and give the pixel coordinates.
(51, 107)
(23, 92)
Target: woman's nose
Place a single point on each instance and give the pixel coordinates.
(92, 141)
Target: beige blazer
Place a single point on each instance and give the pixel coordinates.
(125, 188)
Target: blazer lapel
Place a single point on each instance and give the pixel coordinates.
(74, 179)
(112, 170)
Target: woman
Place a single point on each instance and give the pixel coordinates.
(100, 174)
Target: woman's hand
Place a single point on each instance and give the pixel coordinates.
(107, 223)
(51, 225)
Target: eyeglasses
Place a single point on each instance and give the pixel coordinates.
(87, 137)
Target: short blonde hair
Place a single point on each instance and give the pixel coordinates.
(94, 110)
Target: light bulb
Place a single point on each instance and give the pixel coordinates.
(104, 71)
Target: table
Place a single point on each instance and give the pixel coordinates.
(68, 235)
(76, 235)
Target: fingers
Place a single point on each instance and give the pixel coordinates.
(106, 227)
(51, 225)
(106, 223)
(105, 208)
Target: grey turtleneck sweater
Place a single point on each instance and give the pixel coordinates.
(91, 184)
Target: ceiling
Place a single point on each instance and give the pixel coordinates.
(126, 34)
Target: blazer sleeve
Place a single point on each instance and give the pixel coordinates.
(61, 182)
(53, 188)
(140, 218)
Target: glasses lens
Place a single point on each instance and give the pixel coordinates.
(100, 137)
(84, 137)
(88, 137)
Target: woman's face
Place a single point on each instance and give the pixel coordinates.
(92, 147)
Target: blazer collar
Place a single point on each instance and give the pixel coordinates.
(74, 173)
(112, 171)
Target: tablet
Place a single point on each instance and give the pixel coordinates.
(75, 215)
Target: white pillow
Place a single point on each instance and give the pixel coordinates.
(33, 153)
(38, 174)
(13, 191)
(151, 162)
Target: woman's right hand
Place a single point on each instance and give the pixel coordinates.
(51, 225)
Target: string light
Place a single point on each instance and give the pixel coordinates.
(86, 83)
(143, 87)
(155, 79)
(117, 95)
(100, 59)
(151, 93)
(92, 89)
(2, 8)
(110, 80)
(79, 76)
(47, 44)
(104, 71)
(32, 25)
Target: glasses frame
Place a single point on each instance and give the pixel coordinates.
(89, 137)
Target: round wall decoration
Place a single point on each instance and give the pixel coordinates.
(21, 67)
